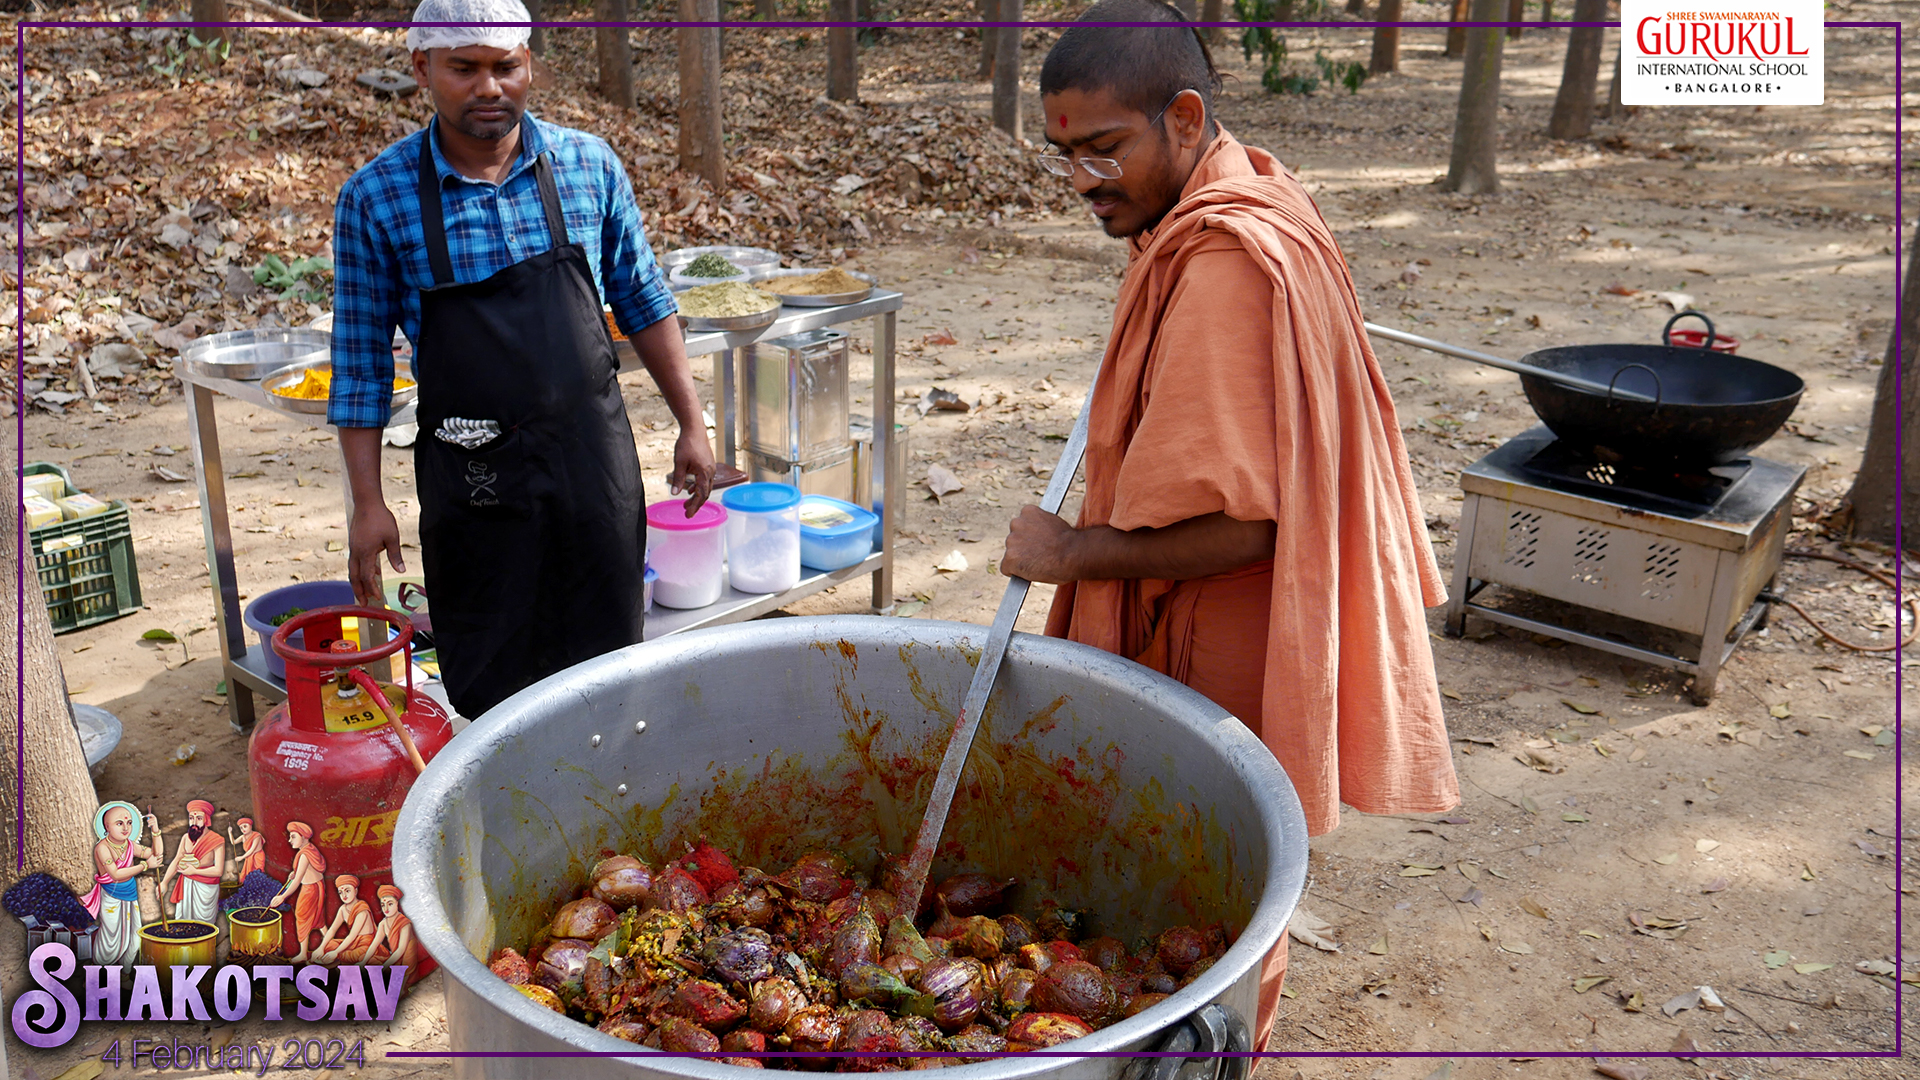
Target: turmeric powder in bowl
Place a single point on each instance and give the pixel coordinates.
(316, 384)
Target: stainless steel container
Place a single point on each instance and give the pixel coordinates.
(1094, 780)
(870, 476)
(830, 474)
(797, 395)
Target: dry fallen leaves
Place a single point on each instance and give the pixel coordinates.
(1309, 929)
(942, 482)
(1621, 1070)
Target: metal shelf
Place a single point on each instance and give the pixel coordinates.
(244, 663)
(738, 606)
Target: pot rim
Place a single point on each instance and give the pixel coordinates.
(448, 776)
(213, 931)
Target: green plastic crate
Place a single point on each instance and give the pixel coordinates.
(87, 568)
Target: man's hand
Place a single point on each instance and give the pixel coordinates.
(1040, 547)
(692, 468)
(372, 530)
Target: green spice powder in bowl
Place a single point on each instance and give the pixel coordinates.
(710, 268)
(711, 265)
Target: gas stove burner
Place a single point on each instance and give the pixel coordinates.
(1684, 491)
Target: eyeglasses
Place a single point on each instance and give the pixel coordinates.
(1102, 168)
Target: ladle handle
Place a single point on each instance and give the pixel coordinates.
(967, 723)
(1666, 332)
(1556, 377)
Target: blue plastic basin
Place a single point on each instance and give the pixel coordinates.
(307, 595)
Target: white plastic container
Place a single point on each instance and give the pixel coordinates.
(688, 553)
(763, 537)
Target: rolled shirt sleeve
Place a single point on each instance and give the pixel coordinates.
(631, 279)
(367, 306)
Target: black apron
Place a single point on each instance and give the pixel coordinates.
(534, 543)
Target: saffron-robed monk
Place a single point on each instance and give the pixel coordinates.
(1250, 525)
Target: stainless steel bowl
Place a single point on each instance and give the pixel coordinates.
(769, 282)
(292, 373)
(246, 355)
(1095, 781)
(732, 324)
(746, 258)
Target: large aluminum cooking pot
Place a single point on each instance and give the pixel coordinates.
(1094, 781)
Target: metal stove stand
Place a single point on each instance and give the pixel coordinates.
(1697, 571)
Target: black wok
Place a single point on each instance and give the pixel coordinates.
(1709, 408)
(1648, 404)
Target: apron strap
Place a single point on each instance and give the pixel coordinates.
(550, 202)
(431, 220)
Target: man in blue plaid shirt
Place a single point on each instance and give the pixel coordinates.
(492, 240)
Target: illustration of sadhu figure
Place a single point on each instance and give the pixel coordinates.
(118, 862)
(252, 845)
(197, 867)
(393, 940)
(303, 883)
(350, 936)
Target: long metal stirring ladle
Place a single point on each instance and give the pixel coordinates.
(967, 723)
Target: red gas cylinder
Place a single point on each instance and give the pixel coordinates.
(328, 772)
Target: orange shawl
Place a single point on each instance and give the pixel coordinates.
(1308, 439)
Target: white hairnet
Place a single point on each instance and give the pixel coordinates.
(484, 12)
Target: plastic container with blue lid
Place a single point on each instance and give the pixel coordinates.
(763, 537)
(834, 534)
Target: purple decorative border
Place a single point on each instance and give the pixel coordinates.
(20, 441)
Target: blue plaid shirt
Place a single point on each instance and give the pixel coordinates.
(380, 250)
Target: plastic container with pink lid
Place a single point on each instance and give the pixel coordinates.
(688, 553)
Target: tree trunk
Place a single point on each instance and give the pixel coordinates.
(1457, 35)
(1868, 509)
(1580, 77)
(1546, 11)
(1356, 7)
(1516, 12)
(1214, 11)
(1476, 126)
(843, 53)
(50, 767)
(1386, 40)
(1614, 107)
(1006, 70)
(537, 43)
(702, 152)
(765, 10)
(989, 37)
(615, 53)
(208, 11)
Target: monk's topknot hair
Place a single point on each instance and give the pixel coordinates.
(1143, 67)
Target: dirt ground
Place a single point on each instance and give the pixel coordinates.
(1601, 808)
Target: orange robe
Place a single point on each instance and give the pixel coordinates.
(256, 856)
(1238, 379)
(309, 906)
(356, 949)
(408, 957)
(208, 843)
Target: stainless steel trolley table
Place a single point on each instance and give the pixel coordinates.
(245, 664)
